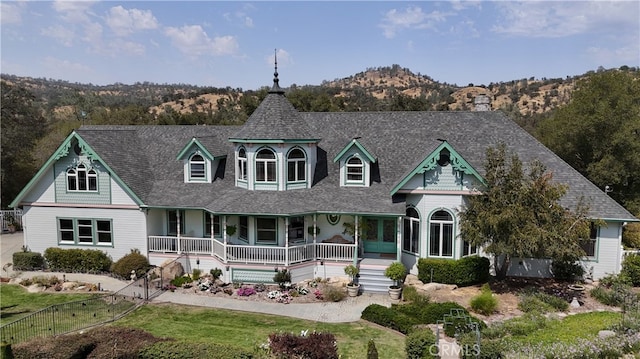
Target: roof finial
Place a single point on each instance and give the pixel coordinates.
(276, 86)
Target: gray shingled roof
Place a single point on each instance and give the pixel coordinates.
(144, 157)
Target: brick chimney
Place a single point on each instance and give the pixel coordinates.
(482, 103)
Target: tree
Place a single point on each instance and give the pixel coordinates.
(22, 125)
(598, 133)
(520, 215)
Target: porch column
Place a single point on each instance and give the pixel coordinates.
(178, 227)
(399, 239)
(224, 238)
(213, 250)
(286, 241)
(315, 223)
(356, 238)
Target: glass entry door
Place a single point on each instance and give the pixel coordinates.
(379, 235)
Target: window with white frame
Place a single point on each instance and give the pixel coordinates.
(82, 178)
(589, 245)
(243, 230)
(197, 168)
(296, 166)
(242, 164)
(212, 223)
(266, 166)
(355, 170)
(411, 231)
(85, 231)
(266, 230)
(468, 249)
(441, 234)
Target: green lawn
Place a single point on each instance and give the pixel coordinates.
(17, 303)
(249, 330)
(571, 328)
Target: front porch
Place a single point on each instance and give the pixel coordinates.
(253, 254)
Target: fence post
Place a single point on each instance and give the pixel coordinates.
(146, 287)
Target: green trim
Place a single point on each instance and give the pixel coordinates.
(265, 184)
(453, 234)
(187, 149)
(457, 162)
(359, 146)
(94, 232)
(62, 151)
(267, 140)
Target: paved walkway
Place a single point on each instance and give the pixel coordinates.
(348, 310)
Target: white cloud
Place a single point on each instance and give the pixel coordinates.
(62, 34)
(11, 12)
(74, 11)
(124, 22)
(409, 18)
(194, 41)
(566, 18)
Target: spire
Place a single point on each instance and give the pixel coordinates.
(276, 87)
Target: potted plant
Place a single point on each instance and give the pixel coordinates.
(396, 271)
(352, 287)
(231, 230)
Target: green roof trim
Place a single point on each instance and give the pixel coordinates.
(431, 162)
(359, 146)
(62, 151)
(194, 143)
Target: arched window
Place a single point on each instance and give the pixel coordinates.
(242, 164)
(296, 166)
(265, 166)
(441, 234)
(355, 170)
(411, 231)
(197, 168)
(81, 179)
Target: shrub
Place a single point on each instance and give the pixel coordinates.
(534, 301)
(180, 350)
(519, 326)
(567, 269)
(487, 349)
(462, 272)
(216, 273)
(389, 318)
(333, 294)
(246, 291)
(396, 271)
(181, 281)
(630, 269)
(420, 344)
(484, 303)
(317, 345)
(372, 351)
(411, 294)
(77, 260)
(281, 277)
(27, 261)
(133, 261)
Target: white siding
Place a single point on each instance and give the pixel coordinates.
(426, 205)
(608, 253)
(129, 229)
(43, 190)
(119, 195)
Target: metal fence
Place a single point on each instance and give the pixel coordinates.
(77, 315)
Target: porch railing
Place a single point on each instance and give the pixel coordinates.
(234, 253)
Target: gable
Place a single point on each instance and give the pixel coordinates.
(443, 169)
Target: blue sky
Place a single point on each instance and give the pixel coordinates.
(232, 44)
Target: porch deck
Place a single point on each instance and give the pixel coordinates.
(248, 254)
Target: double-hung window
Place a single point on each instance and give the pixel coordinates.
(355, 170)
(296, 229)
(266, 230)
(173, 221)
(589, 245)
(243, 230)
(265, 166)
(296, 166)
(441, 234)
(208, 222)
(81, 178)
(242, 164)
(197, 168)
(411, 231)
(85, 231)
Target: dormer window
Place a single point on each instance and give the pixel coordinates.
(355, 170)
(82, 179)
(242, 164)
(197, 168)
(296, 166)
(266, 166)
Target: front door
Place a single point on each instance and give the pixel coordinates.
(379, 235)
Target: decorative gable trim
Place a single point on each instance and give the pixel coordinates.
(63, 151)
(187, 150)
(355, 143)
(456, 161)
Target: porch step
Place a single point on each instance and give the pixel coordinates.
(372, 280)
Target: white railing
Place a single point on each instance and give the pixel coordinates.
(630, 252)
(11, 217)
(233, 253)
